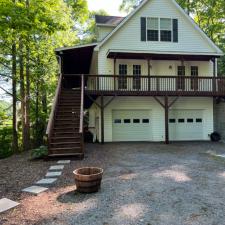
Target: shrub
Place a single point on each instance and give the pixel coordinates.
(5, 142)
(39, 153)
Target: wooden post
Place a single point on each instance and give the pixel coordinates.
(149, 73)
(102, 119)
(214, 74)
(166, 120)
(114, 73)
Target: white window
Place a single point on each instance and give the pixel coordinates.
(152, 29)
(165, 29)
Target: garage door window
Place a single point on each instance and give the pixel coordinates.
(198, 120)
(117, 121)
(181, 120)
(145, 121)
(136, 120)
(172, 120)
(190, 120)
(126, 120)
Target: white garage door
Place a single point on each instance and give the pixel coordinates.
(186, 125)
(131, 125)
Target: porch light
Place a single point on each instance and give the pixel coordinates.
(170, 67)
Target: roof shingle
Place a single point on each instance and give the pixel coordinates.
(108, 20)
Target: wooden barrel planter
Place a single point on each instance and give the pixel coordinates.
(88, 179)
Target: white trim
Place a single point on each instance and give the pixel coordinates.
(219, 51)
(75, 47)
(166, 53)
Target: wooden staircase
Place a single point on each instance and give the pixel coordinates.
(65, 136)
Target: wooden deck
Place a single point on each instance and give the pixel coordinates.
(110, 85)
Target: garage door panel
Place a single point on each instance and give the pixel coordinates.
(186, 125)
(131, 125)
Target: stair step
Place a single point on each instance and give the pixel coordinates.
(65, 143)
(64, 150)
(68, 118)
(65, 138)
(80, 155)
(66, 129)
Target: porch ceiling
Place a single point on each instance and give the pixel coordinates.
(76, 60)
(159, 56)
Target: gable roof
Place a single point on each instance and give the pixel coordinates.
(142, 4)
(108, 20)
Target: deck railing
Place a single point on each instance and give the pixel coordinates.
(156, 85)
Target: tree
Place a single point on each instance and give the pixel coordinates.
(30, 30)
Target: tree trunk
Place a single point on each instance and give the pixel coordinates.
(27, 96)
(14, 92)
(22, 93)
(27, 101)
(37, 141)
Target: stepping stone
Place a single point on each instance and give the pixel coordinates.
(58, 167)
(35, 189)
(46, 181)
(63, 162)
(223, 156)
(6, 204)
(53, 174)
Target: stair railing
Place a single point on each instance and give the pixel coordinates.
(81, 130)
(53, 109)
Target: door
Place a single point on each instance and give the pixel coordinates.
(194, 78)
(181, 80)
(137, 77)
(131, 125)
(122, 81)
(186, 125)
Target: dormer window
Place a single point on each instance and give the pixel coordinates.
(159, 29)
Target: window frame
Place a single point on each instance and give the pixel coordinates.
(147, 30)
(159, 29)
(171, 30)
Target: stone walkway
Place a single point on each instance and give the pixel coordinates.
(40, 186)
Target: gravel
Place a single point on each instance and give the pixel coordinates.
(143, 183)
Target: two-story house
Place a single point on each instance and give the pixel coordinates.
(151, 76)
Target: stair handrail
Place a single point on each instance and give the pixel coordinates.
(53, 109)
(81, 130)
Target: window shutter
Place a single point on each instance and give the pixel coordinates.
(143, 29)
(175, 30)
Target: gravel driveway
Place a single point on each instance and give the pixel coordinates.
(144, 183)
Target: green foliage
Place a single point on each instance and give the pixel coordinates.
(41, 26)
(128, 5)
(89, 33)
(5, 142)
(39, 153)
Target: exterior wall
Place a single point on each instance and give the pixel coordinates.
(128, 36)
(102, 32)
(94, 63)
(219, 119)
(157, 113)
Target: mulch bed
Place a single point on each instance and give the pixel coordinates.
(19, 172)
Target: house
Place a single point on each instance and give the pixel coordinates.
(151, 76)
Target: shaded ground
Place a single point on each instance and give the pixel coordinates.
(150, 184)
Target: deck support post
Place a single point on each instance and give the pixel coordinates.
(214, 74)
(102, 119)
(149, 74)
(114, 72)
(166, 120)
